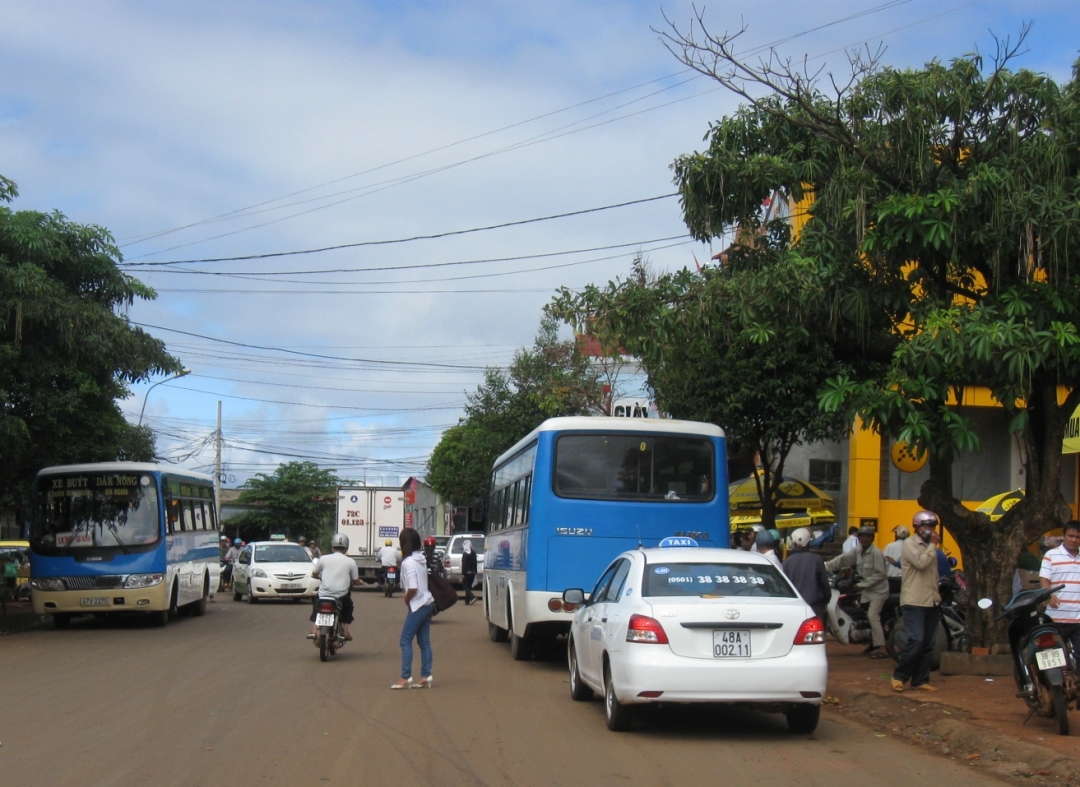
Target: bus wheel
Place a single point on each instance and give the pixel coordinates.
(496, 633)
(198, 608)
(159, 618)
(174, 611)
(61, 621)
(521, 648)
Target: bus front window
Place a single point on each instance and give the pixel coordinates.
(85, 511)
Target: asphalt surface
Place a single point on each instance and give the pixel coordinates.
(239, 697)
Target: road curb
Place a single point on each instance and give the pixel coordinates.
(945, 730)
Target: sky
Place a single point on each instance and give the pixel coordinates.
(440, 146)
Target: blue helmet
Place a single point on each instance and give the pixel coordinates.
(764, 539)
(237, 542)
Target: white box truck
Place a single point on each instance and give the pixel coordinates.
(369, 515)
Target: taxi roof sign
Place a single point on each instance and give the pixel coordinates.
(678, 541)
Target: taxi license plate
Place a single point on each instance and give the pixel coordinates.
(323, 619)
(731, 644)
(96, 601)
(292, 585)
(1048, 659)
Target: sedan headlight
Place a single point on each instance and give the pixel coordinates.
(143, 580)
(47, 583)
(258, 572)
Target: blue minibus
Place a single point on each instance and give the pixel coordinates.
(574, 493)
(115, 537)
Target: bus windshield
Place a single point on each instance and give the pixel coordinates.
(87, 510)
(627, 466)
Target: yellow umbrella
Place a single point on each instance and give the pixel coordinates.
(785, 520)
(794, 493)
(996, 506)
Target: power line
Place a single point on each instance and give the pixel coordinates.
(411, 239)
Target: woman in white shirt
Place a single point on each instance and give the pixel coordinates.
(421, 606)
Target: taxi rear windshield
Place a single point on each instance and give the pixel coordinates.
(716, 580)
(629, 466)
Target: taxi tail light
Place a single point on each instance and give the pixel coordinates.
(645, 629)
(811, 632)
(1048, 639)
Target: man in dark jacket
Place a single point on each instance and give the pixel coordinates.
(806, 570)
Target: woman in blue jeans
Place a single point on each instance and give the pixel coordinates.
(421, 606)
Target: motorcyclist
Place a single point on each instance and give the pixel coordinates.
(231, 556)
(873, 584)
(806, 570)
(766, 546)
(434, 564)
(388, 556)
(302, 541)
(893, 551)
(339, 575)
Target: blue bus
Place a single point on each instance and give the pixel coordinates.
(117, 537)
(574, 493)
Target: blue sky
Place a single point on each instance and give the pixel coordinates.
(387, 121)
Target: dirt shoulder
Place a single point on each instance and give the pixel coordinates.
(969, 719)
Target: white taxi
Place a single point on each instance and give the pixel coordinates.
(274, 569)
(681, 625)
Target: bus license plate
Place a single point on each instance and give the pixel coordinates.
(1048, 659)
(323, 619)
(96, 601)
(731, 644)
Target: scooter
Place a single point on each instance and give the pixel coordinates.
(225, 581)
(1043, 664)
(389, 581)
(328, 621)
(848, 620)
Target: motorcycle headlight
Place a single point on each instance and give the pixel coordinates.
(143, 580)
(47, 583)
(258, 572)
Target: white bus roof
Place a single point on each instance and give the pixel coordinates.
(122, 467)
(604, 423)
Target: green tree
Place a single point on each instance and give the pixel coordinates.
(944, 203)
(67, 350)
(705, 341)
(551, 378)
(299, 499)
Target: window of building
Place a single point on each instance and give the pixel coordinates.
(825, 474)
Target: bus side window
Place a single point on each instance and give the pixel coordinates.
(528, 498)
(188, 516)
(172, 513)
(496, 510)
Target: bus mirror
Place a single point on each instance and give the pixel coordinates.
(574, 596)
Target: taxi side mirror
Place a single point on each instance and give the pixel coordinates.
(574, 596)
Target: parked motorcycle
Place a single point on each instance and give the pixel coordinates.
(1043, 663)
(847, 619)
(950, 632)
(390, 574)
(328, 621)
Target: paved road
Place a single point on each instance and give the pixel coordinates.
(238, 697)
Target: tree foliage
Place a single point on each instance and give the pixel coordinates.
(67, 350)
(299, 499)
(942, 205)
(551, 378)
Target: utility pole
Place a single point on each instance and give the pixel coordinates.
(217, 466)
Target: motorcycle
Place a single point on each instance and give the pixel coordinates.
(848, 620)
(389, 581)
(328, 621)
(1044, 666)
(225, 581)
(950, 631)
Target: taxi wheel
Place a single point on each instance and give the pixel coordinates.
(237, 595)
(251, 595)
(619, 716)
(803, 719)
(579, 692)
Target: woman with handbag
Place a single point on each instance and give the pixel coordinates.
(421, 606)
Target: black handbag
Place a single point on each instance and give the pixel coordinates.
(443, 592)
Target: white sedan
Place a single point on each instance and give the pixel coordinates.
(274, 569)
(680, 625)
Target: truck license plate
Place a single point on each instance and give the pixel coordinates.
(1048, 659)
(323, 619)
(731, 644)
(95, 601)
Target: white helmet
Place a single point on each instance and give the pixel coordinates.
(802, 537)
(339, 541)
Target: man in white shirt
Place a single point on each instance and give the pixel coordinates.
(1061, 566)
(852, 542)
(388, 556)
(339, 575)
(893, 551)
